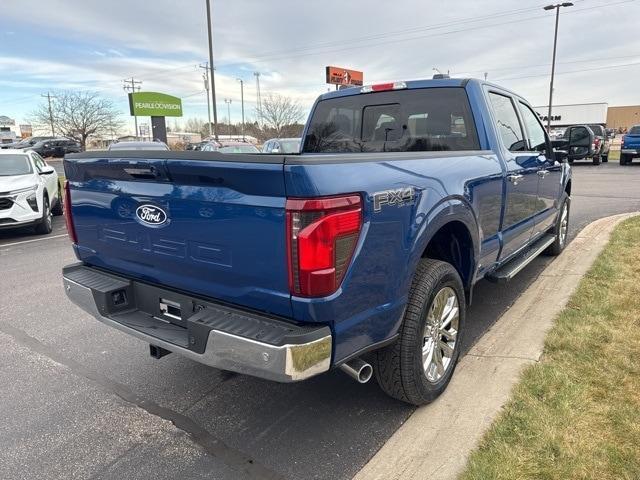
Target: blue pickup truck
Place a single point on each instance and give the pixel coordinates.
(630, 146)
(359, 253)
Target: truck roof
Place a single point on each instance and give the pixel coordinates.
(426, 83)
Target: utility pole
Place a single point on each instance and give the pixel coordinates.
(258, 98)
(205, 77)
(211, 66)
(48, 96)
(242, 103)
(228, 102)
(132, 85)
(553, 62)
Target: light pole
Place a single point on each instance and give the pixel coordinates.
(228, 102)
(242, 103)
(557, 7)
(213, 82)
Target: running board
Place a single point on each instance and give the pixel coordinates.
(513, 267)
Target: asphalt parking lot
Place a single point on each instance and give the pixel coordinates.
(81, 400)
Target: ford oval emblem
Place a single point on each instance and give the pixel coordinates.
(151, 215)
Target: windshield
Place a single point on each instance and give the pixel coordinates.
(14, 165)
(597, 130)
(426, 119)
(239, 149)
(634, 130)
(290, 146)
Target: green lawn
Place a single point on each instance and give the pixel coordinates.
(576, 414)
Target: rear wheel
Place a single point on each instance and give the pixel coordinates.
(418, 366)
(596, 160)
(605, 158)
(46, 224)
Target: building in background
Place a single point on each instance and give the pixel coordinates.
(8, 131)
(623, 118)
(575, 114)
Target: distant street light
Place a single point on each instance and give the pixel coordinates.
(228, 102)
(553, 62)
(242, 103)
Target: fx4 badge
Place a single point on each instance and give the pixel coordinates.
(396, 196)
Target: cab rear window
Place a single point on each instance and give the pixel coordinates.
(428, 119)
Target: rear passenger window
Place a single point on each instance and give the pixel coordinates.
(428, 119)
(507, 122)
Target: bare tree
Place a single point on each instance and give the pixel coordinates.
(77, 115)
(194, 125)
(279, 112)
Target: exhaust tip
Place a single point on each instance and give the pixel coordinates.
(365, 373)
(358, 369)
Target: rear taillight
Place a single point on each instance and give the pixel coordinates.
(68, 219)
(322, 234)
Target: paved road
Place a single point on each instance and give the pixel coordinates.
(81, 400)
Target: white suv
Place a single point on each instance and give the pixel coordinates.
(29, 191)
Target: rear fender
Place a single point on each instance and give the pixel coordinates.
(454, 209)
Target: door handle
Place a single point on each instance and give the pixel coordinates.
(515, 179)
(543, 173)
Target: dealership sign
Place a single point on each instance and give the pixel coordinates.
(344, 76)
(154, 104)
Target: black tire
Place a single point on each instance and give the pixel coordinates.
(605, 158)
(570, 161)
(624, 159)
(596, 160)
(58, 208)
(399, 367)
(46, 224)
(560, 242)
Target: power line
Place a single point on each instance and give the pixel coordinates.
(415, 37)
(573, 71)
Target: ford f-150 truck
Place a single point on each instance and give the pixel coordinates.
(359, 253)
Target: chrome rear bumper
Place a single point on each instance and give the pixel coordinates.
(295, 354)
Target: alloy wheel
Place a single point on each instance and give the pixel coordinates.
(440, 334)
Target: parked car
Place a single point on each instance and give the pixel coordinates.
(138, 146)
(56, 147)
(360, 253)
(282, 145)
(29, 191)
(24, 143)
(584, 144)
(602, 139)
(224, 146)
(197, 146)
(630, 147)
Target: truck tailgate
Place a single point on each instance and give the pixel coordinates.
(212, 228)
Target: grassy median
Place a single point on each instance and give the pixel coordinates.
(576, 414)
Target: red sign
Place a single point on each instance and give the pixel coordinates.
(344, 76)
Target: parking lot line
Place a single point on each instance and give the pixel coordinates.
(34, 240)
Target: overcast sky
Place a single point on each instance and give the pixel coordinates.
(49, 45)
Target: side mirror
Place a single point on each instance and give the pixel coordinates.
(47, 170)
(580, 143)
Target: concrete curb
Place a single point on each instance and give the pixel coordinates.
(435, 442)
